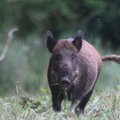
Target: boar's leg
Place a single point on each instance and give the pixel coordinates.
(80, 108)
(57, 97)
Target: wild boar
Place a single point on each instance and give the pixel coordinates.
(74, 68)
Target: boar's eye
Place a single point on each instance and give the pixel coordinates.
(72, 57)
(58, 57)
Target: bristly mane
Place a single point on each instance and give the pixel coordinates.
(64, 44)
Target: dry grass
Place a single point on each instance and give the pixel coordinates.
(102, 106)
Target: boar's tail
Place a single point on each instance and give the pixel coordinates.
(115, 58)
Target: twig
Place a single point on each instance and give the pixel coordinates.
(10, 38)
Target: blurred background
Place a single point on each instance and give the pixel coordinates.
(25, 66)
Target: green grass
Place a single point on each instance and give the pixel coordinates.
(102, 106)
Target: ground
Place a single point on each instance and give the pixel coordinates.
(102, 106)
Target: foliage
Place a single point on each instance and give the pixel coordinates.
(105, 17)
(97, 18)
(23, 67)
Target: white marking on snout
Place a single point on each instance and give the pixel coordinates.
(77, 72)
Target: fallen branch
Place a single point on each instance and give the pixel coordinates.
(10, 38)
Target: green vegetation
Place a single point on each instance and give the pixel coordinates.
(96, 18)
(102, 106)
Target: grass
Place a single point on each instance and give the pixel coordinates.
(102, 106)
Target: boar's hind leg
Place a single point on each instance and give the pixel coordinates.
(80, 108)
(57, 98)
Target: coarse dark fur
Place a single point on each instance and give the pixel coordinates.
(74, 68)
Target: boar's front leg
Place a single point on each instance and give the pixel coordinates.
(57, 97)
(80, 108)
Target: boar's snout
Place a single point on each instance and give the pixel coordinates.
(65, 77)
(65, 83)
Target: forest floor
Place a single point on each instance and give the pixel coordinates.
(102, 106)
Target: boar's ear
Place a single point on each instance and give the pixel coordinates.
(77, 42)
(51, 42)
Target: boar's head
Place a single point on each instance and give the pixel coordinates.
(64, 62)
